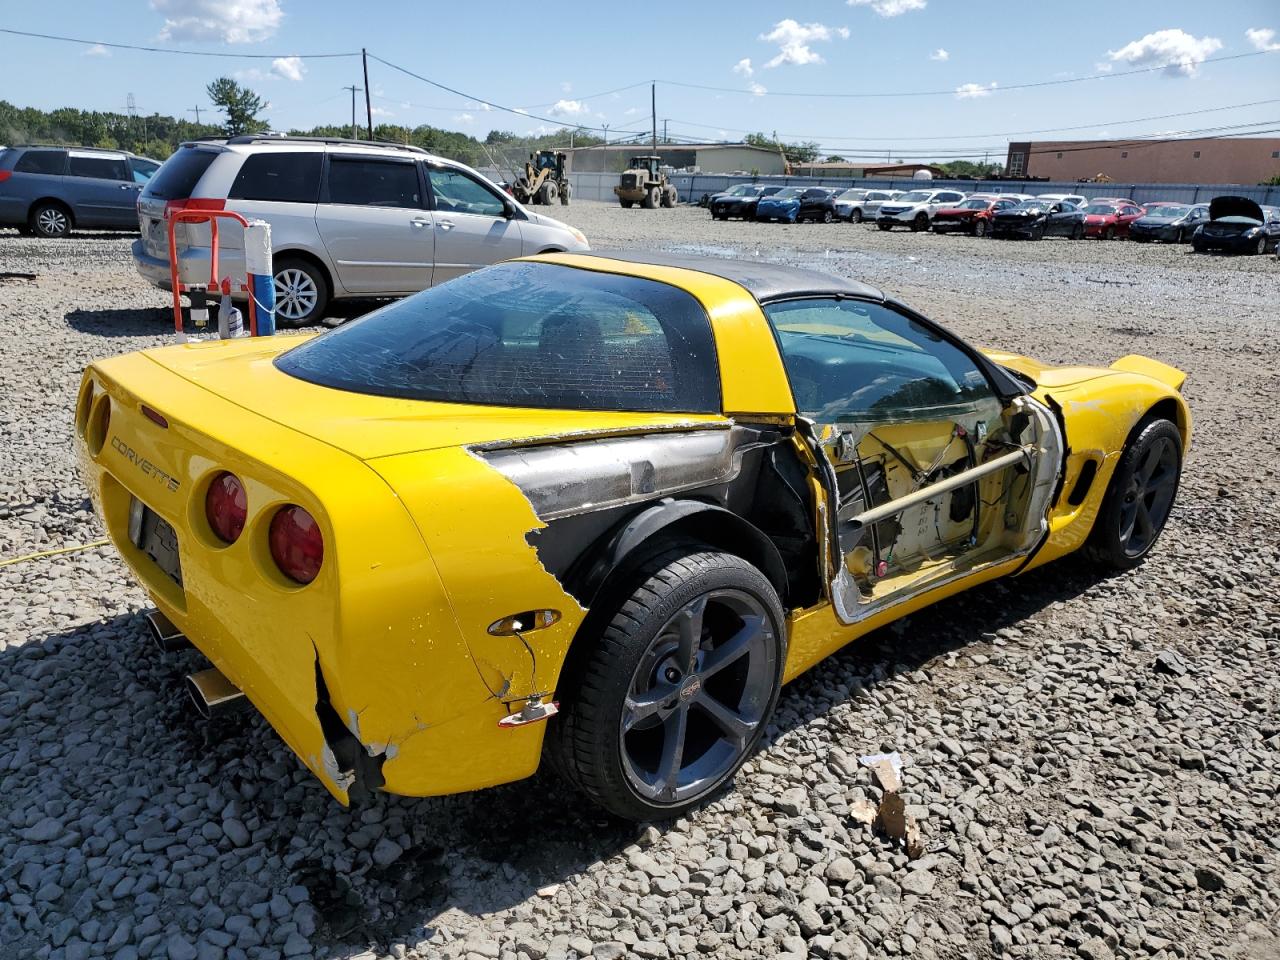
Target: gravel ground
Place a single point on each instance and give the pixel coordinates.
(1094, 760)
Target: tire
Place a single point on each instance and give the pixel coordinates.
(827, 216)
(1181, 237)
(1260, 248)
(921, 222)
(652, 197)
(669, 197)
(615, 740)
(981, 228)
(1109, 233)
(794, 218)
(1139, 498)
(884, 226)
(626, 203)
(50, 219)
(26, 231)
(548, 193)
(1077, 232)
(856, 216)
(1197, 247)
(302, 294)
(564, 195)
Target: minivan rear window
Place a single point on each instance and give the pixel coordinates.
(292, 177)
(178, 176)
(527, 334)
(42, 161)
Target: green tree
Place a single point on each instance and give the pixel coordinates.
(835, 158)
(240, 104)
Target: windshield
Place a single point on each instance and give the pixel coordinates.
(1167, 210)
(742, 190)
(915, 196)
(526, 334)
(789, 193)
(1034, 205)
(853, 195)
(1100, 209)
(975, 205)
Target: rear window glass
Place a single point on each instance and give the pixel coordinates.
(98, 168)
(527, 335)
(42, 161)
(178, 176)
(374, 183)
(283, 177)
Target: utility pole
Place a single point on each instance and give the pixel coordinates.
(355, 135)
(665, 138)
(196, 110)
(606, 133)
(653, 112)
(132, 106)
(368, 106)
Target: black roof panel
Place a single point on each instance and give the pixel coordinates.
(764, 281)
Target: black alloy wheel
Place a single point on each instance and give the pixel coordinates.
(676, 692)
(1140, 496)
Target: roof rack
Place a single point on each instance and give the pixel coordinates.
(336, 141)
(65, 146)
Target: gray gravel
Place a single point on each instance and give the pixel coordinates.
(1094, 761)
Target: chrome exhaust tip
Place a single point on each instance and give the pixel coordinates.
(213, 695)
(166, 636)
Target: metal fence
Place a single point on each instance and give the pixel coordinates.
(599, 186)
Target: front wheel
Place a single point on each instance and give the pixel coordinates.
(1139, 498)
(301, 292)
(626, 204)
(1077, 232)
(921, 222)
(675, 693)
(884, 226)
(1260, 248)
(980, 228)
(826, 216)
(652, 197)
(1109, 233)
(856, 216)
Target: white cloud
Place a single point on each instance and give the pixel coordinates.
(971, 91)
(230, 21)
(743, 67)
(757, 89)
(568, 108)
(890, 8)
(793, 41)
(381, 112)
(940, 55)
(520, 110)
(465, 118)
(1102, 67)
(1176, 50)
(566, 86)
(290, 68)
(842, 33)
(97, 50)
(1263, 38)
(630, 111)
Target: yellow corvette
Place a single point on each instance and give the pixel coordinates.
(596, 507)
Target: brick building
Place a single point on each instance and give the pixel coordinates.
(1243, 160)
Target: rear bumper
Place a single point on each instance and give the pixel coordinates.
(374, 636)
(193, 265)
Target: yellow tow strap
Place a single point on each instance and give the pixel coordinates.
(53, 553)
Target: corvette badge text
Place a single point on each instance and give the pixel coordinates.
(145, 465)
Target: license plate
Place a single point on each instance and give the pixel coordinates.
(155, 537)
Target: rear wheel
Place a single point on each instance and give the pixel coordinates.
(1109, 233)
(677, 690)
(301, 292)
(50, 219)
(884, 226)
(652, 197)
(1077, 232)
(564, 195)
(856, 216)
(548, 193)
(1140, 497)
(669, 197)
(826, 216)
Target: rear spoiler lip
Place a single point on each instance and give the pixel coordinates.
(1171, 377)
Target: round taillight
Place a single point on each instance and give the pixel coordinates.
(297, 545)
(226, 507)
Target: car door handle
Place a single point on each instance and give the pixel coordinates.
(127, 186)
(445, 224)
(420, 222)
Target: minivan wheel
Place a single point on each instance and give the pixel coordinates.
(675, 692)
(301, 293)
(51, 220)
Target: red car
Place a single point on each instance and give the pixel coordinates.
(973, 215)
(1108, 219)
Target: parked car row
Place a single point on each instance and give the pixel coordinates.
(1233, 224)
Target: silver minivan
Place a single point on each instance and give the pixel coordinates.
(348, 218)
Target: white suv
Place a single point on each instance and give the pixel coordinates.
(348, 218)
(916, 209)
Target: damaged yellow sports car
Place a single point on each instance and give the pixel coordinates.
(597, 508)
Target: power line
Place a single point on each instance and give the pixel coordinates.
(188, 53)
(995, 87)
(983, 136)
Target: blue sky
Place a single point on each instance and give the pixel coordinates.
(569, 70)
